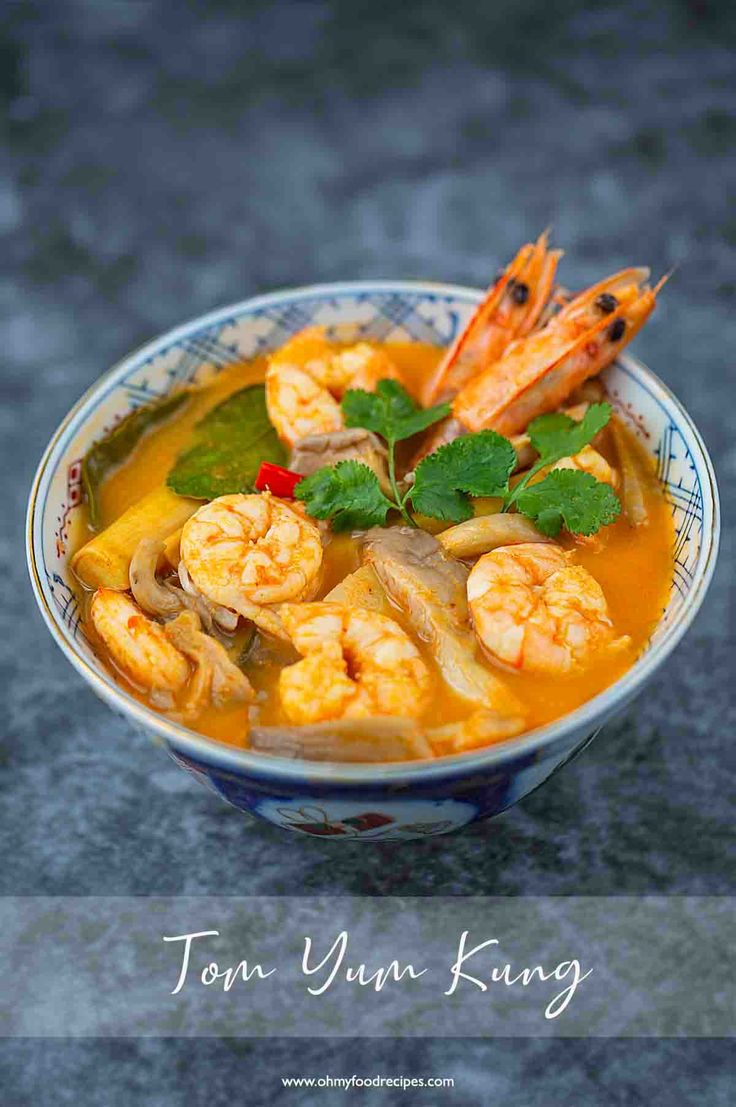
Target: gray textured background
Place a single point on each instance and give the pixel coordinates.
(158, 162)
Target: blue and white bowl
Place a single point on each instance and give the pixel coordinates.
(370, 802)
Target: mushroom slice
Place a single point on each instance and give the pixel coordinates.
(315, 451)
(150, 594)
(164, 599)
(374, 739)
(632, 483)
(208, 611)
(431, 588)
(487, 532)
(216, 678)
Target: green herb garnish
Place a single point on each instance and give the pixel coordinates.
(119, 444)
(555, 436)
(230, 443)
(348, 493)
(473, 465)
(569, 498)
(390, 412)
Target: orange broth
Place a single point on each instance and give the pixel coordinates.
(632, 565)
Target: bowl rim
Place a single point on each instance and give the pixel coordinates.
(206, 750)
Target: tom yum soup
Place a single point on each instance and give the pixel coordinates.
(380, 552)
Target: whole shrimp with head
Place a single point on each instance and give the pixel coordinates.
(307, 377)
(249, 553)
(512, 307)
(533, 610)
(539, 372)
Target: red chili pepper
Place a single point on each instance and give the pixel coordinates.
(276, 479)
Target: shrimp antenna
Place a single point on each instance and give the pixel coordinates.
(663, 280)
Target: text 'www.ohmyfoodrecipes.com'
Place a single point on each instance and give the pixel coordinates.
(354, 1081)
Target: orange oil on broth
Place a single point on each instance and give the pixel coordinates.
(632, 565)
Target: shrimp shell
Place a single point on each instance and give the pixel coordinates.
(500, 318)
(538, 373)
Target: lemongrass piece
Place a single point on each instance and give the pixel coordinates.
(170, 555)
(487, 532)
(632, 485)
(373, 739)
(104, 562)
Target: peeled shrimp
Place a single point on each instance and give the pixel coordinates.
(535, 611)
(138, 646)
(307, 377)
(248, 552)
(591, 462)
(356, 664)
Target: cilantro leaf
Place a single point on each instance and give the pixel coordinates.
(556, 435)
(389, 411)
(348, 493)
(476, 464)
(230, 443)
(569, 498)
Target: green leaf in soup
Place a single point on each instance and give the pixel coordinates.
(229, 445)
(556, 435)
(347, 493)
(472, 465)
(569, 498)
(117, 446)
(389, 411)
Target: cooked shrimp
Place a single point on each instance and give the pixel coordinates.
(138, 646)
(538, 373)
(307, 377)
(481, 728)
(533, 610)
(247, 552)
(590, 461)
(356, 663)
(164, 599)
(510, 309)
